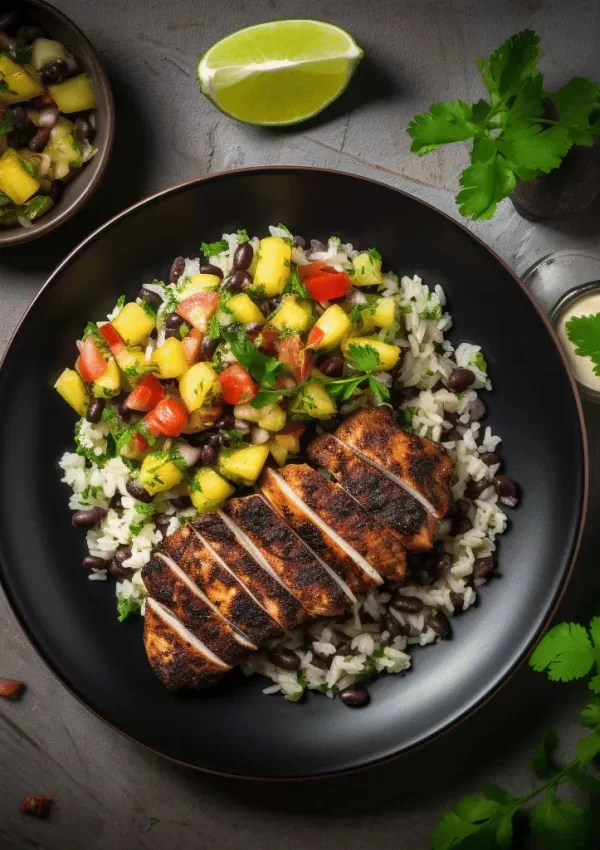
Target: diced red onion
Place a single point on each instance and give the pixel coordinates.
(48, 116)
(24, 222)
(71, 63)
(190, 454)
(259, 436)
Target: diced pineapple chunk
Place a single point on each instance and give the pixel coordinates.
(330, 329)
(274, 265)
(388, 354)
(63, 149)
(383, 315)
(279, 453)
(19, 85)
(294, 314)
(249, 413)
(158, 474)
(244, 309)
(243, 466)
(209, 490)
(133, 324)
(289, 442)
(196, 384)
(132, 362)
(274, 420)
(200, 283)
(44, 50)
(74, 95)
(314, 401)
(367, 269)
(15, 180)
(108, 384)
(169, 359)
(70, 386)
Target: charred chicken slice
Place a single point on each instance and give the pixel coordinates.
(258, 577)
(321, 592)
(377, 543)
(167, 583)
(375, 492)
(355, 570)
(179, 659)
(418, 464)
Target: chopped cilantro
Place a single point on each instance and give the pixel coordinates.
(363, 357)
(432, 314)
(27, 165)
(374, 254)
(127, 606)
(91, 329)
(409, 414)
(212, 249)
(6, 123)
(171, 456)
(120, 302)
(296, 285)
(233, 436)
(5, 88)
(184, 330)
(214, 327)
(242, 236)
(378, 389)
(256, 291)
(288, 238)
(478, 360)
(148, 310)
(263, 369)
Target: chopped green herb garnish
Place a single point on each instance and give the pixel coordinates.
(263, 369)
(184, 330)
(120, 302)
(478, 360)
(374, 254)
(213, 249)
(127, 606)
(6, 123)
(5, 88)
(27, 165)
(296, 285)
(363, 357)
(242, 236)
(234, 436)
(584, 333)
(432, 314)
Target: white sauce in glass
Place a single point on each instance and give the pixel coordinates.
(582, 367)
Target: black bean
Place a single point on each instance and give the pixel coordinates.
(153, 334)
(244, 254)
(208, 348)
(135, 489)
(172, 333)
(89, 517)
(94, 411)
(209, 269)
(116, 568)
(162, 522)
(332, 366)
(474, 489)
(422, 576)
(171, 385)
(442, 568)
(116, 503)
(242, 425)
(457, 600)
(177, 267)
(394, 627)
(407, 604)
(38, 142)
(344, 649)
(54, 72)
(318, 654)
(462, 525)
(506, 490)
(83, 131)
(439, 623)
(30, 33)
(173, 321)
(299, 241)
(253, 327)
(209, 456)
(460, 379)
(20, 118)
(124, 412)
(90, 562)
(227, 422)
(236, 281)
(56, 191)
(9, 20)
(483, 566)
(461, 507)
(152, 299)
(490, 458)
(318, 661)
(215, 440)
(284, 658)
(180, 503)
(355, 697)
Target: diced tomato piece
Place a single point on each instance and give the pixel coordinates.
(215, 411)
(113, 339)
(293, 354)
(198, 308)
(315, 337)
(146, 395)
(169, 417)
(140, 442)
(328, 285)
(268, 337)
(295, 429)
(192, 344)
(91, 362)
(237, 385)
(315, 267)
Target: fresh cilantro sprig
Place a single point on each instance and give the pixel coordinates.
(264, 370)
(584, 333)
(513, 139)
(296, 286)
(485, 822)
(213, 249)
(366, 359)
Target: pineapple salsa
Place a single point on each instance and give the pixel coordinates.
(187, 391)
(46, 121)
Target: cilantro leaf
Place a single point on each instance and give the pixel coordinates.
(484, 185)
(534, 148)
(542, 762)
(295, 285)
(233, 436)
(4, 87)
(343, 388)
(497, 793)
(212, 249)
(374, 254)
(378, 389)
(242, 236)
(595, 634)
(584, 333)
(263, 369)
(444, 123)
(514, 61)
(6, 123)
(127, 606)
(578, 778)
(479, 818)
(565, 652)
(590, 716)
(588, 748)
(575, 102)
(363, 357)
(594, 684)
(558, 823)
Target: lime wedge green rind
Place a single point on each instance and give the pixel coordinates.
(278, 73)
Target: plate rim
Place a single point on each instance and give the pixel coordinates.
(547, 617)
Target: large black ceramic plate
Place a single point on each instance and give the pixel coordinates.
(233, 728)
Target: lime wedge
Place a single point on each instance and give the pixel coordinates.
(278, 73)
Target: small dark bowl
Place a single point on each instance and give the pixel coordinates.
(81, 188)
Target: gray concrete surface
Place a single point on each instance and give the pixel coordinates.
(418, 51)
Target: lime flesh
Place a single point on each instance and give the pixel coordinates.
(278, 73)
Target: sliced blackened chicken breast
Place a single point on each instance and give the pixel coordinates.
(179, 658)
(418, 464)
(355, 570)
(167, 583)
(375, 492)
(218, 531)
(377, 543)
(175, 544)
(319, 590)
(225, 591)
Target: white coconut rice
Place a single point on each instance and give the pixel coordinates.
(334, 654)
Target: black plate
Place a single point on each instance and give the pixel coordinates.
(233, 728)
